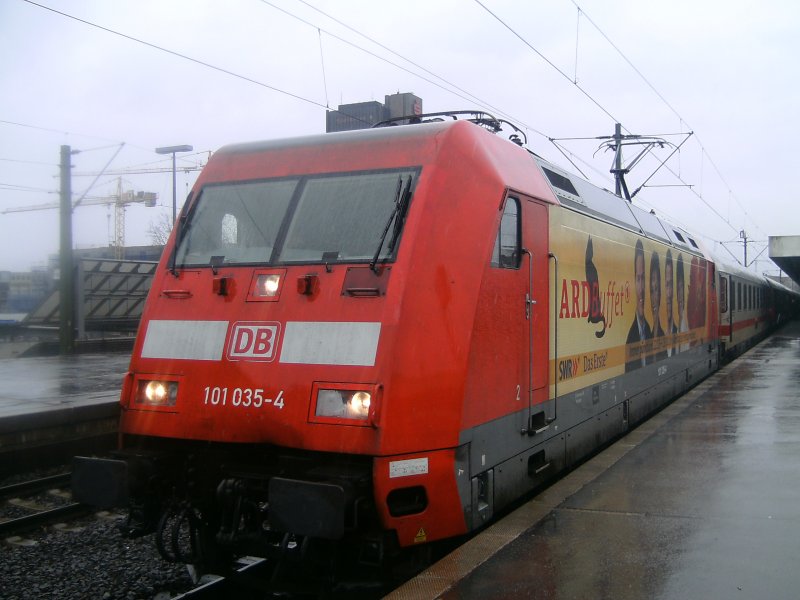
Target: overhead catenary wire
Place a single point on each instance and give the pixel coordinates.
(573, 80)
(113, 143)
(671, 108)
(585, 92)
(52, 130)
(182, 56)
(606, 111)
(100, 174)
(322, 61)
(227, 71)
(602, 108)
(577, 38)
(464, 94)
(29, 162)
(452, 89)
(153, 166)
(25, 188)
(548, 61)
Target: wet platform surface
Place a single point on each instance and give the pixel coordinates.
(37, 390)
(702, 501)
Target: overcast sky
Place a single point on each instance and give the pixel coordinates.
(726, 70)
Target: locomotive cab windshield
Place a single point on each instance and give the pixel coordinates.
(340, 217)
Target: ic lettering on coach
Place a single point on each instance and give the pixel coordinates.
(253, 340)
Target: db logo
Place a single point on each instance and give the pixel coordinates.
(253, 340)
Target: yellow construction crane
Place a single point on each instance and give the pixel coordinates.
(120, 200)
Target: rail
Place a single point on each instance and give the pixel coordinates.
(40, 515)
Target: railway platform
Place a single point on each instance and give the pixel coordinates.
(700, 501)
(58, 403)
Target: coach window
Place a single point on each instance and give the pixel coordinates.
(506, 253)
(723, 294)
(739, 295)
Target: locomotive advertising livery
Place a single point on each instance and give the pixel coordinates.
(623, 301)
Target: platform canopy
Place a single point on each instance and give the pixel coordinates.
(784, 250)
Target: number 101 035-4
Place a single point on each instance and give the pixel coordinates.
(240, 397)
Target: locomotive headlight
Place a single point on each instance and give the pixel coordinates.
(360, 402)
(358, 405)
(343, 404)
(162, 393)
(267, 285)
(155, 391)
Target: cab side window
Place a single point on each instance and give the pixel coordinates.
(506, 253)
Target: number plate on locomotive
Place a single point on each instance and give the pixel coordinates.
(241, 397)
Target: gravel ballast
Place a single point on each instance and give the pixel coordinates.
(89, 559)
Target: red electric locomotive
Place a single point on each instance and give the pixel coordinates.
(385, 336)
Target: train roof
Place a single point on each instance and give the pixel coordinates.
(576, 193)
(569, 190)
(731, 268)
(726, 267)
(777, 285)
(357, 136)
(439, 144)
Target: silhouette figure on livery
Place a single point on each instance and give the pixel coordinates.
(592, 278)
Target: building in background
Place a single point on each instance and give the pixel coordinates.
(137, 253)
(21, 292)
(363, 115)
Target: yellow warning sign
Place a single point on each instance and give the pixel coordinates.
(421, 536)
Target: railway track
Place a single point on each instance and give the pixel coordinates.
(214, 586)
(255, 577)
(37, 503)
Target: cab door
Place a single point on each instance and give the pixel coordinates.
(508, 365)
(535, 255)
(536, 246)
(522, 245)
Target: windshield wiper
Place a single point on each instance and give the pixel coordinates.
(397, 215)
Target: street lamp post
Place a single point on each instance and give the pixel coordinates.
(174, 150)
